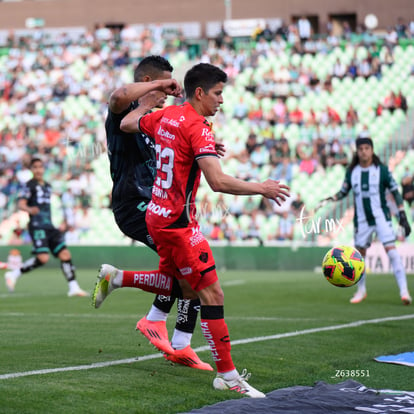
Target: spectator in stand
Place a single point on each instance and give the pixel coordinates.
(68, 206)
(285, 227)
(259, 156)
(297, 205)
(307, 163)
(267, 33)
(346, 30)
(401, 102)
(364, 133)
(280, 111)
(283, 171)
(352, 70)
(278, 44)
(339, 69)
(351, 115)
(401, 28)
(304, 29)
(411, 29)
(251, 143)
(283, 31)
(337, 155)
(391, 38)
(296, 116)
(240, 110)
(217, 232)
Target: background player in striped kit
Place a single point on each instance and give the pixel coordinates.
(369, 179)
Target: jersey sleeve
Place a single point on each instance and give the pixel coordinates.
(148, 122)
(24, 192)
(346, 186)
(392, 185)
(202, 141)
(117, 118)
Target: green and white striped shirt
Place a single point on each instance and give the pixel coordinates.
(369, 186)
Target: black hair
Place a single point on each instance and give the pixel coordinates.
(35, 159)
(364, 140)
(203, 76)
(151, 66)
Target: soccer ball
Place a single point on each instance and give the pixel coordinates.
(343, 266)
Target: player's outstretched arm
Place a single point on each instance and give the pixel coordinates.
(129, 122)
(223, 183)
(122, 97)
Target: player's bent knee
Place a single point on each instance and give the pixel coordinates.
(187, 291)
(64, 255)
(212, 295)
(43, 258)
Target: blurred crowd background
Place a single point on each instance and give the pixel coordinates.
(294, 104)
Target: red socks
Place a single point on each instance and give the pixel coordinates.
(215, 331)
(151, 281)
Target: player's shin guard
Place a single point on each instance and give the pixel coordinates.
(30, 264)
(68, 270)
(215, 331)
(153, 281)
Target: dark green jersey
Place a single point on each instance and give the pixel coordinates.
(38, 195)
(132, 162)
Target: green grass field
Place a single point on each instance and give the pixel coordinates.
(42, 329)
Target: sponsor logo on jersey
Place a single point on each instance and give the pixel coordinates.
(208, 148)
(157, 280)
(209, 337)
(206, 132)
(203, 257)
(159, 192)
(142, 206)
(197, 237)
(158, 210)
(165, 134)
(186, 271)
(172, 122)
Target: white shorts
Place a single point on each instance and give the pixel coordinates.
(383, 228)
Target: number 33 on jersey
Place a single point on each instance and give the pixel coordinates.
(182, 136)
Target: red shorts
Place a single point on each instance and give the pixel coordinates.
(186, 254)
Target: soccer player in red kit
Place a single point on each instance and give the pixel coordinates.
(185, 147)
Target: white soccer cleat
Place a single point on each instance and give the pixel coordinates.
(11, 279)
(359, 296)
(239, 385)
(104, 286)
(406, 299)
(77, 291)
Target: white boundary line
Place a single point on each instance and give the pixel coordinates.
(206, 348)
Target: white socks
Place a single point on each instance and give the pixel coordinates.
(229, 375)
(180, 339)
(116, 282)
(399, 271)
(156, 315)
(361, 286)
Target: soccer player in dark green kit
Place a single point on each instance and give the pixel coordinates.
(35, 200)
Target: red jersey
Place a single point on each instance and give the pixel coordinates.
(182, 137)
